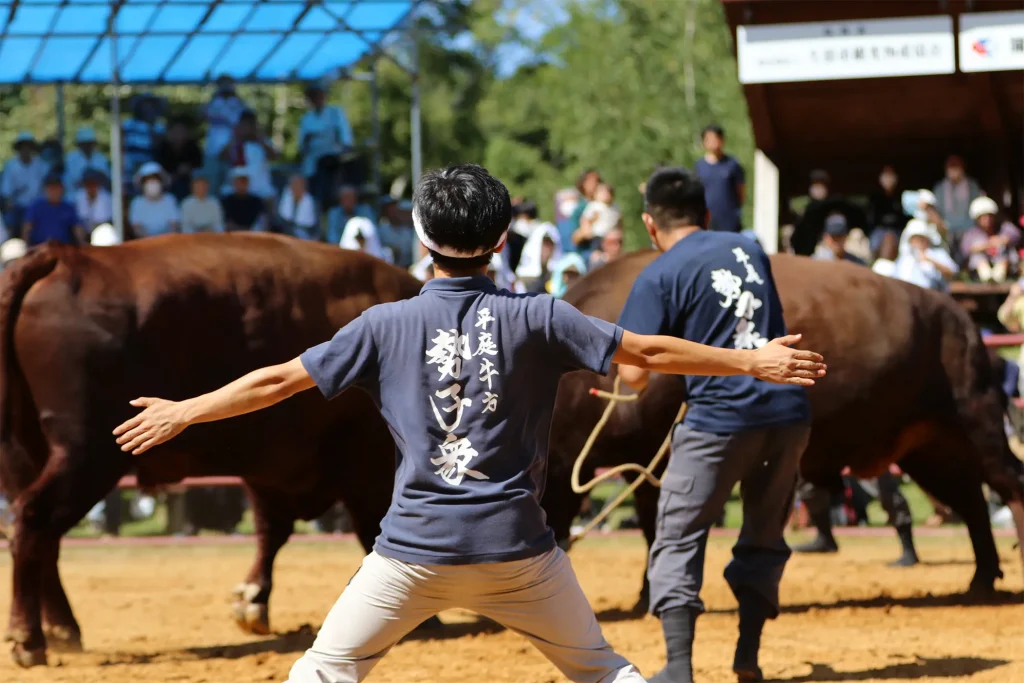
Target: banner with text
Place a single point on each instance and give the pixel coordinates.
(825, 51)
(992, 41)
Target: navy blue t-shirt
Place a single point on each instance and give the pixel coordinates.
(716, 288)
(721, 191)
(51, 222)
(465, 376)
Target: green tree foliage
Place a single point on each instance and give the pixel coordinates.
(618, 85)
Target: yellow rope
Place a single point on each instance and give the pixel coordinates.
(646, 473)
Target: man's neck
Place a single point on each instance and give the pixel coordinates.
(713, 157)
(670, 238)
(442, 274)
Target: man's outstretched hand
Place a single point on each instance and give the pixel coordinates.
(160, 421)
(776, 362)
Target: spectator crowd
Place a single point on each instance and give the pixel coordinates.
(174, 182)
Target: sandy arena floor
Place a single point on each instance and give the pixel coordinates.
(161, 614)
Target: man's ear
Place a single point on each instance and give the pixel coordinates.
(652, 230)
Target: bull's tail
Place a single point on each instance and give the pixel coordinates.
(16, 465)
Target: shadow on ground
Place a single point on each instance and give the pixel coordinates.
(940, 667)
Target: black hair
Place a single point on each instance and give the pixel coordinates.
(462, 207)
(248, 115)
(526, 208)
(675, 197)
(713, 128)
(583, 176)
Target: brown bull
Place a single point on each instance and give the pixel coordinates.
(909, 381)
(83, 331)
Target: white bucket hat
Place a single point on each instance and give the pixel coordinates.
(104, 236)
(983, 206)
(12, 249)
(152, 168)
(918, 228)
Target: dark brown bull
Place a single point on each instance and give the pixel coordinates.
(83, 331)
(909, 381)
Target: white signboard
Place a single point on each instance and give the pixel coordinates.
(825, 51)
(992, 41)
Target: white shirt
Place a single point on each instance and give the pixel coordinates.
(76, 164)
(302, 215)
(260, 183)
(222, 114)
(96, 211)
(604, 218)
(924, 274)
(530, 265)
(23, 183)
(154, 217)
(329, 133)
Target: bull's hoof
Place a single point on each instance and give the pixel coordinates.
(63, 639)
(252, 617)
(26, 658)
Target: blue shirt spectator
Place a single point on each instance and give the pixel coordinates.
(53, 218)
(84, 157)
(724, 182)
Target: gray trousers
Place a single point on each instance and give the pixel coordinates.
(536, 597)
(701, 474)
(886, 488)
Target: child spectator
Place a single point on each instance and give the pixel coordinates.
(222, 114)
(200, 212)
(542, 249)
(611, 249)
(833, 244)
(250, 149)
(297, 211)
(989, 249)
(52, 218)
(180, 155)
(348, 207)
(22, 181)
(154, 212)
(92, 201)
(396, 231)
(360, 234)
(922, 260)
(84, 157)
(324, 134)
(566, 272)
(242, 209)
(598, 219)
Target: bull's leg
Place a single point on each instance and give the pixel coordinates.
(252, 597)
(955, 484)
(646, 501)
(44, 512)
(59, 624)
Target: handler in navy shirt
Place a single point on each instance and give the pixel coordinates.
(465, 376)
(724, 182)
(716, 288)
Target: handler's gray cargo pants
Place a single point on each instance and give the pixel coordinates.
(701, 473)
(537, 597)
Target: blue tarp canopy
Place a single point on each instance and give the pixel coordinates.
(186, 41)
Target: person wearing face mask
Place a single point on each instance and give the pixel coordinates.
(886, 218)
(154, 212)
(954, 195)
(823, 202)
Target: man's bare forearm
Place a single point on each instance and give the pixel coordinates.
(675, 356)
(257, 390)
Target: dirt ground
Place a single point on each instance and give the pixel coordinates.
(161, 614)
